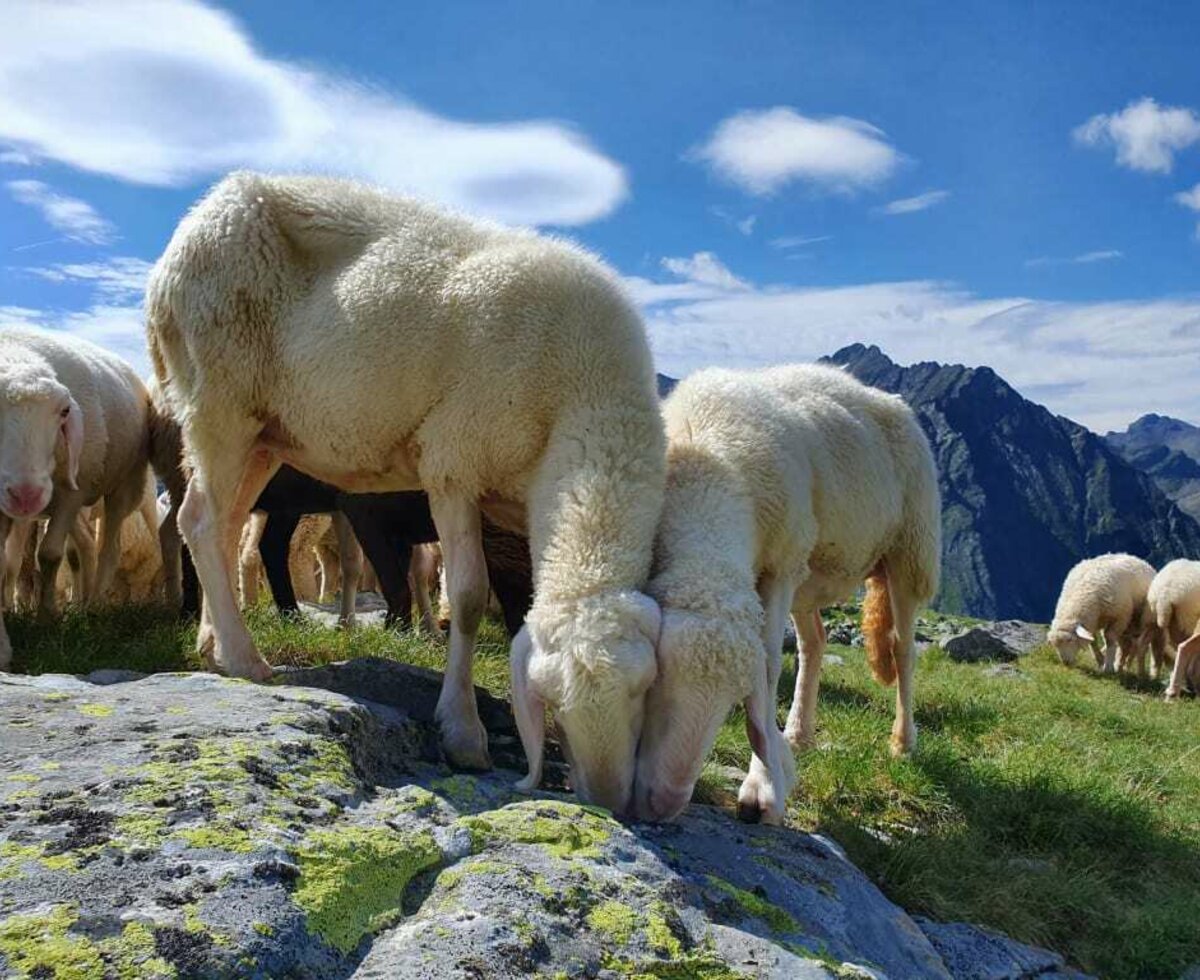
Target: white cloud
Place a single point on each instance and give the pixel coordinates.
(763, 150)
(705, 269)
(169, 92)
(119, 277)
(746, 225)
(1146, 135)
(76, 219)
(1190, 199)
(1087, 258)
(907, 205)
(15, 158)
(797, 241)
(1102, 364)
(118, 328)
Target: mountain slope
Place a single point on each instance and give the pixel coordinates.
(1025, 493)
(1168, 450)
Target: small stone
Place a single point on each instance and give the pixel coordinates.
(977, 644)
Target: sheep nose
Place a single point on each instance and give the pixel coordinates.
(25, 500)
(656, 804)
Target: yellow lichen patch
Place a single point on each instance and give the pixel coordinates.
(42, 945)
(95, 710)
(22, 777)
(565, 830)
(615, 920)
(352, 880)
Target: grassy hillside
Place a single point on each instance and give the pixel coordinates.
(1056, 805)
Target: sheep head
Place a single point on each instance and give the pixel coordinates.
(706, 665)
(590, 661)
(1068, 642)
(41, 428)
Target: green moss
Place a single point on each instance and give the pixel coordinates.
(353, 879)
(458, 789)
(12, 855)
(220, 837)
(659, 934)
(753, 905)
(565, 830)
(615, 920)
(95, 710)
(452, 876)
(42, 945)
(701, 964)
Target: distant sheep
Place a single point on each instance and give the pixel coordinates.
(1174, 600)
(73, 430)
(1105, 598)
(786, 489)
(380, 344)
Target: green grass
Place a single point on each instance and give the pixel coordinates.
(1062, 808)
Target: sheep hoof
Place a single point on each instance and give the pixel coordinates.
(465, 747)
(527, 785)
(902, 745)
(757, 802)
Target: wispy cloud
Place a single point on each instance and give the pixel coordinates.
(76, 219)
(1191, 199)
(1087, 258)
(797, 241)
(15, 158)
(761, 151)
(120, 277)
(170, 92)
(1091, 361)
(1146, 135)
(909, 205)
(704, 268)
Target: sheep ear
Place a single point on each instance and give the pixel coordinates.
(1084, 634)
(529, 710)
(71, 431)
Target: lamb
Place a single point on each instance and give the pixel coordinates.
(1174, 601)
(1105, 597)
(380, 344)
(74, 429)
(786, 489)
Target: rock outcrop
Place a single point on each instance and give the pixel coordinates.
(186, 825)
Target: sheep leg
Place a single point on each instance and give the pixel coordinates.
(6, 524)
(801, 729)
(50, 552)
(1158, 649)
(83, 566)
(904, 616)
(274, 548)
(15, 536)
(764, 792)
(388, 553)
(350, 557)
(118, 505)
(529, 711)
(1110, 652)
(419, 573)
(224, 488)
(250, 565)
(1179, 674)
(457, 519)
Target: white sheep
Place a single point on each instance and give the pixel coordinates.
(786, 489)
(1105, 598)
(73, 430)
(379, 344)
(1174, 600)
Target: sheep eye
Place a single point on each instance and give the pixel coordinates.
(65, 412)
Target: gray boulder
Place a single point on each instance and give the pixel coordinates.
(978, 644)
(186, 825)
(973, 953)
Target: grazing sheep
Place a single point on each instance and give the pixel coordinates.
(73, 430)
(786, 489)
(1105, 597)
(380, 344)
(1174, 600)
(139, 575)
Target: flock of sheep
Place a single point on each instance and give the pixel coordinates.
(1116, 606)
(321, 347)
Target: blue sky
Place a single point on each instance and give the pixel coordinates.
(1007, 184)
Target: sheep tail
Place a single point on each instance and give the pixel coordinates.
(879, 633)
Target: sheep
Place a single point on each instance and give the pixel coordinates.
(380, 344)
(74, 429)
(1105, 597)
(786, 489)
(1174, 601)
(139, 576)
(166, 458)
